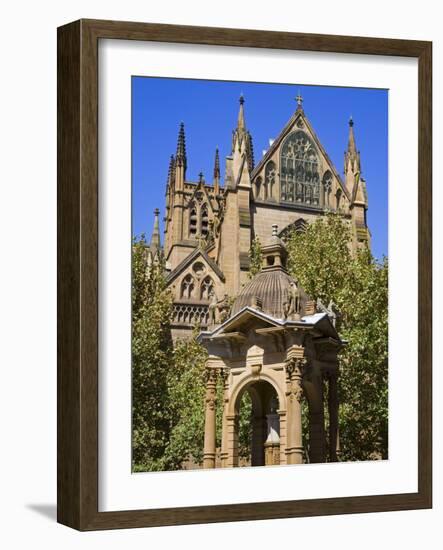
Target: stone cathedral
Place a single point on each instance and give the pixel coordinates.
(209, 226)
(265, 335)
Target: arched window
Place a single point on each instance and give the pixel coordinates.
(206, 287)
(338, 199)
(270, 178)
(299, 175)
(327, 187)
(192, 220)
(258, 186)
(187, 287)
(204, 220)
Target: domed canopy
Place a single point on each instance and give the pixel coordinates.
(270, 289)
(268, 292)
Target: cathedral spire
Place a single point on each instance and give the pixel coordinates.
(217, 172)
(351, 141)
(241, 138)
(155, 238)
(181, 147)
(352, 156)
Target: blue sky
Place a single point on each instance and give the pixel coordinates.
(209, 111)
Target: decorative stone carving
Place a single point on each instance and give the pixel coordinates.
(292, 303)
(224, 308)
(331, 310)
(212, 308)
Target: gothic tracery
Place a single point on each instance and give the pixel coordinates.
(299, 170)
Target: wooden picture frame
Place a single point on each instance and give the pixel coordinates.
(78, 273)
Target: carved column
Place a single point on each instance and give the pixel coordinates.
(334, 441)
(210, 401)
(224, 374)
(294, 393)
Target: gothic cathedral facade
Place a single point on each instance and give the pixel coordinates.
(209, 227)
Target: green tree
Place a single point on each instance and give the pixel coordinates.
(321, 260)
(151, 360)
(186, 394)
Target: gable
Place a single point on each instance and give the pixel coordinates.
(298, 124)
(201, 196)
(197, 257)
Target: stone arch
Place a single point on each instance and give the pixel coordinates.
(187, 287)
(270, 179)
(206, 287)
(249, 380)
(327, 188)
(264, 421)
(338, 197)
(258, 188)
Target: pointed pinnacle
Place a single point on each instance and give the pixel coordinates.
(351, 140)
(217, 165)
(171, 168)
(155, 238)
(181, 146)
(241, 114)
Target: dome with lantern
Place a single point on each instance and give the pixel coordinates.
(268, 291)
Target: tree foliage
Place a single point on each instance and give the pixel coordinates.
(151, 360)
(186, 393)
(320, 258)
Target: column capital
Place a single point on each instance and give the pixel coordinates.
(296, 366)
(224, 375)
(210, 376)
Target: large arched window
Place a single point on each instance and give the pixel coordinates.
(299, 172)
(206, 287)
(192, 220)
(270, 179)
(187, 287)
(327, 187)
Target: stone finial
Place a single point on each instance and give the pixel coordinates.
(274, 230)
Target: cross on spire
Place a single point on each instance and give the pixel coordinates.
(299, 100)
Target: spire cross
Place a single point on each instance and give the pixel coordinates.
(299, 100)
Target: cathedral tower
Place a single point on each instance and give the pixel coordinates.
(209, 226)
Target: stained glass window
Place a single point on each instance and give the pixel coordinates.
(299, 170)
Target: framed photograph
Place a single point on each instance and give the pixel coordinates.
(244, 274)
